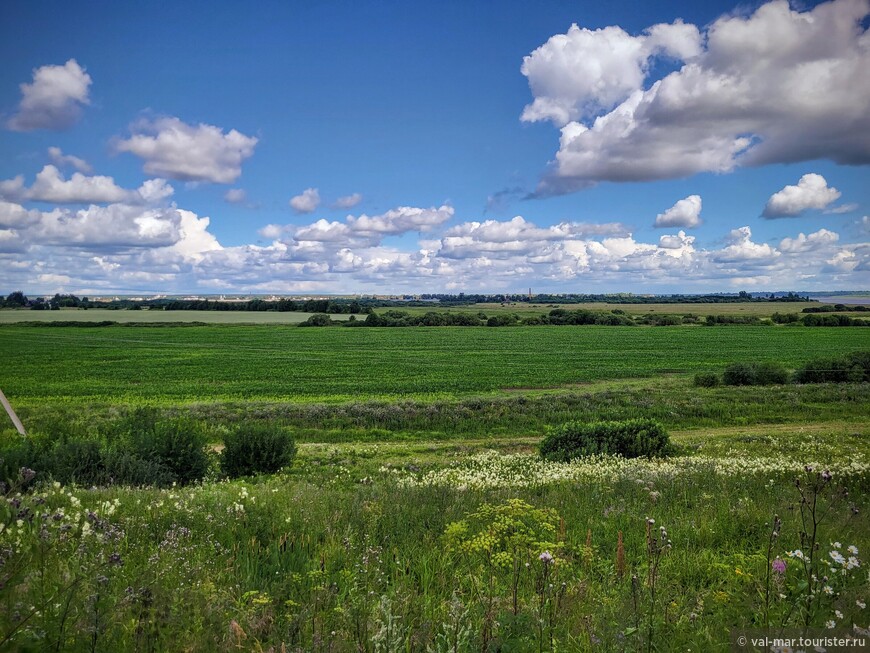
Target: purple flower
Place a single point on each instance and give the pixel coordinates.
(546, 557)
(778, 566)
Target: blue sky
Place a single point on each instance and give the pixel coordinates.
(434, 149)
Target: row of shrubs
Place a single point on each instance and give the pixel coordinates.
(147, 450)
(635, 438)
(851, 368)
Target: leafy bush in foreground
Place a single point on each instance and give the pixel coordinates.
(632, 439)
(177, 444)
(257, 449)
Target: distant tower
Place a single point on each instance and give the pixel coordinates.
(530, 294)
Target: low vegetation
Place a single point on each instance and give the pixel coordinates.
(343, 490)
(630, 439)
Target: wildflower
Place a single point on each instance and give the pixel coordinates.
(546, 557)
(860, 604)
(852, 563)
(853, 550)
(837, 545)
(797, 553)
(778, 565)
(837, 557)
(838, 614)
(828, 590)
(830, 624)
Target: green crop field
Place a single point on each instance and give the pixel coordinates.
(13, 316)
(196, 364)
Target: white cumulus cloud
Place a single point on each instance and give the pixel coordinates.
(348, 201)
(776, 86)
(685, 213)
(306, 202)
(62, 160)
(53, 100)
(51, 186)
(812, 192)
(235, 195)
(172, 148)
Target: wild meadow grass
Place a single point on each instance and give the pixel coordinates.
(347, 552)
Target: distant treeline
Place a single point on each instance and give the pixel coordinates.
(837, 308)
(618, 298)
(364, 305)
(563, 317)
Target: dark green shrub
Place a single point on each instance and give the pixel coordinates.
(257, 449)
(178, 444)
(770, 373)
(77, 461)
(632, 439)
(860, 360)
(739, 374)
(706, 379)
(852, 368)
(317, 320)
(126, 468)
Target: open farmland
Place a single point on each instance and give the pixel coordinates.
(13, 316)
(201, 364)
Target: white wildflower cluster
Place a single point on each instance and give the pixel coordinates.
(846, 564)
(492, 469)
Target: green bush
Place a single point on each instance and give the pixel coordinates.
(767, 373)
(77, 461)
(317, 320)
(852, 368)
(256, 449)
(178, 444)
(706, 379)
(739, 374)
(632, 439)
(770, 373)
(126, 468)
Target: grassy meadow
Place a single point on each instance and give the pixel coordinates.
(417, 515)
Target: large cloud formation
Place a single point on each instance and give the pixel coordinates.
(51, 186)
(124, 247)
(53, 100)
(776, 86)
(172, 148)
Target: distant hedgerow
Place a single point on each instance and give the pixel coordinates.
(854, 368)
(634, 438)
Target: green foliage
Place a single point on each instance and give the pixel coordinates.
(178, 444)
(770, 373)
(739, 374)
(256, 449)
(504, 534)
(317, 320)
(852, 368)
(632, 439)
(706, 380)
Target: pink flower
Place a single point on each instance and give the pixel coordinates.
(778, 565)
